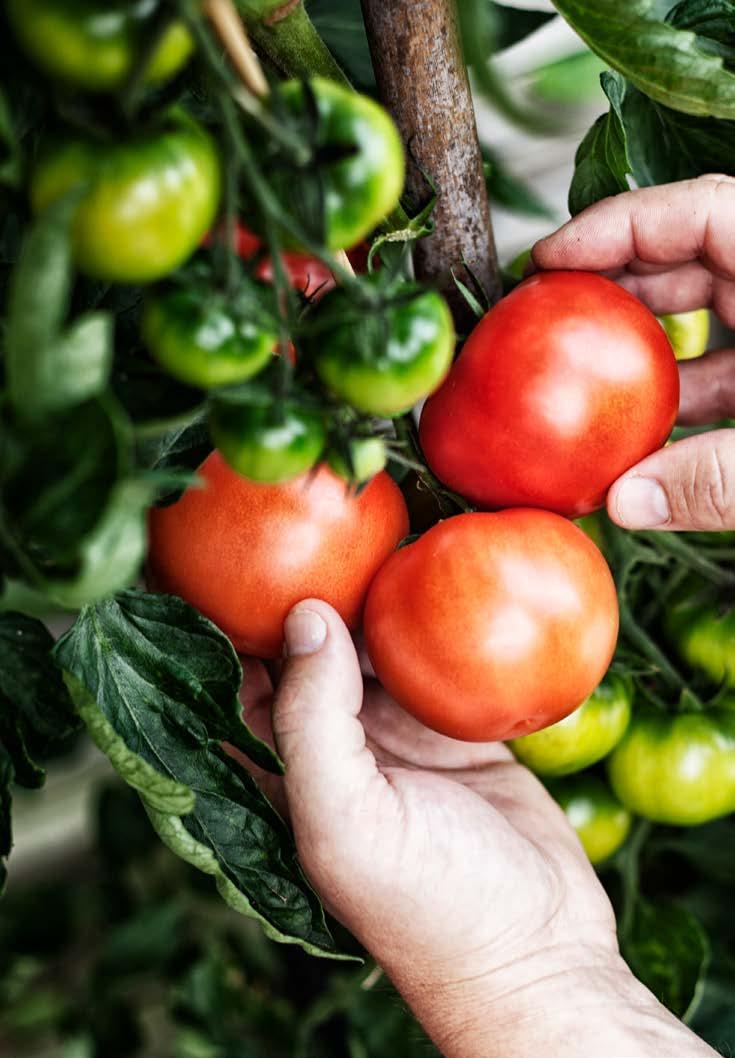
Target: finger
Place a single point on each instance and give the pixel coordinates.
(682, 289)
(707, 388)
(315, 720)
(668, 224)
(688, 485)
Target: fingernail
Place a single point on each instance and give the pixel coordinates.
(641, 503)
(305, 632)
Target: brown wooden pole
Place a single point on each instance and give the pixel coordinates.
(423, 81)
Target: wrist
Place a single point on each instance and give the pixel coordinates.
(565, 1002)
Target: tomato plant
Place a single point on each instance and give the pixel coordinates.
(510, 620)
(175, 194)
(74, 41)
(582, 738)
(602, 823)
(244, 553)
(677, 769)
(145, 203)
(562, 387)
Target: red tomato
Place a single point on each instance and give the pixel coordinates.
(243, 554)
(560, 388)
(492, 626)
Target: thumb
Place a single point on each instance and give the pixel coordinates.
(688, 485)
(315, 719)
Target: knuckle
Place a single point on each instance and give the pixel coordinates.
(707, 497)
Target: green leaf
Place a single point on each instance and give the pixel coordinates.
(513, 24)
(36, 712)
(665, 145)
(340, 25)
(37, 306)
(601, 164)
(10, 156)
(6, 830)
(157, 685)
(666, 63)
(183, 448)
(713, 21)
(35, 709)
(66, 371)
(668, 951)
(143, 941)
(510, 191)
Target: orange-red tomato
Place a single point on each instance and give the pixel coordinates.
(564, 385)
(492, 626)
(243, 554)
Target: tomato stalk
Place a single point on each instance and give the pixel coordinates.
(628, 863)
(289, 39)
(423, 81)
(449, 502)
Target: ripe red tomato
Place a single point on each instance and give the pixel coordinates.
(560, 388)
(243, 554)
(491, 626)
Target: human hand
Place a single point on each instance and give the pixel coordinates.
(671, 246)
(449, 861)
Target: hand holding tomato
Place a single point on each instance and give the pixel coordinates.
(671, 246)
(452, 865)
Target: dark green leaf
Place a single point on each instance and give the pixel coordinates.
(665, 145)
(183, 448)
(714, 23)
(155, 402)
(513, 24)
(669, 951)
(601, 164)
(66, 371)
(666, 63)
(10, 158)
(35, 709)
(157, 685)
(710, 848)
(6, 830)
(143, 941)
(38, 303)
(511, 191)
(340, 25)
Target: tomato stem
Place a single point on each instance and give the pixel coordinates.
(294, 46)
(449, 502)
(629, 861)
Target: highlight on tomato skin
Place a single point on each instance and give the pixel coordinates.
(509, 620)
(563, 386)
(244, 553)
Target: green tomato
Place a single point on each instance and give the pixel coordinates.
(677, 769)
(704, 635)
(147, 202)
(582, 738)
(688, 333)
(203, 343)
(363, 184)
(94, 45)
(368, 456)
(602, 823)
(265, 444)
(383, 363)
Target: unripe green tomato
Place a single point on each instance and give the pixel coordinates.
(266, 446)
(369, 457)
(602, 823)
(203, 343)
(677, 769)
(363, 185)
(704, 636)
(582, 738)
(688, 332)
(404, 352)
(148, 201)
(94, 45)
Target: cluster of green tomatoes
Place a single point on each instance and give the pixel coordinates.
(286, 387)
